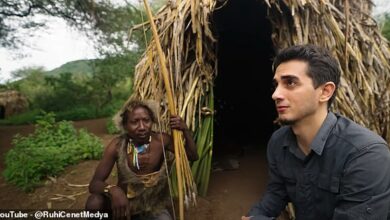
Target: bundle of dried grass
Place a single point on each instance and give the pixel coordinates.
(187, 43)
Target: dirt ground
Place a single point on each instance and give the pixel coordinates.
(231, 192)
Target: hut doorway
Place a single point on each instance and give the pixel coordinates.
(2, 112)
(244, 108)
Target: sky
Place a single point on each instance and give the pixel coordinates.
(58, 44)
(381, 6)
(50, 48)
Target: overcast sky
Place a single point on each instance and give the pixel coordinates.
(50, 48)
(381, 6)
(58, 44)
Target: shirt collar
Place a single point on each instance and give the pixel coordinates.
(319, 141)
(322, 135)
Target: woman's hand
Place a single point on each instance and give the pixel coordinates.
(177, 123)
(119, 202)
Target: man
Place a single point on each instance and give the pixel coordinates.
(325, 164)
(142, 190)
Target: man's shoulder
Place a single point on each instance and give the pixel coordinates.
(354, 134)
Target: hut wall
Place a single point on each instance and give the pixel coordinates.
(12, 103)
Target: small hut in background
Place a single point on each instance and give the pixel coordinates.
(219, 54)
(12, 103)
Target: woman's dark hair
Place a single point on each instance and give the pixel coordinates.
(131, 106)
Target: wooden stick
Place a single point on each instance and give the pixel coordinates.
(171, 106)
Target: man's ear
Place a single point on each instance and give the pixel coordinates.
(327, 91)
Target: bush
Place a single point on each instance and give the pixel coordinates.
(77, 113)
(111, 127)
(23, 118)
(47, 151)
(71, 114)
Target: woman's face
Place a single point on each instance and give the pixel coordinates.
(139, 124)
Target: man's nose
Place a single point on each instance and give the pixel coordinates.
(277, 94)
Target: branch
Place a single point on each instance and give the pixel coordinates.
(22, 14)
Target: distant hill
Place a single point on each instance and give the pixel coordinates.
(76, 67)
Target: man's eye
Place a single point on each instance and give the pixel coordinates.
(291, 83)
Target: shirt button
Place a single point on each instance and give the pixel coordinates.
(369, 210)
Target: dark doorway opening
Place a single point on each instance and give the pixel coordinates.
(244, 109)
(2, 112)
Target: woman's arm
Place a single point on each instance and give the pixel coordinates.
(177, 123)
(104, 168)
(119, 202)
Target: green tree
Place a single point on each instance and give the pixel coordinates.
(107, 22)
(108, 73)
(112, 74)
(18, 14)
(386, 26)
(108, 26)
(32, 83)
(66, 93)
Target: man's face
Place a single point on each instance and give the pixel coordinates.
(295, 97)
(139, 124)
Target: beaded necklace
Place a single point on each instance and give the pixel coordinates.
(137, 150)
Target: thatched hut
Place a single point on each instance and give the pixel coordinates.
(221, 51)
(12, 103)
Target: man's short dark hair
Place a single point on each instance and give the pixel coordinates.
(322, 66)
(134, 104)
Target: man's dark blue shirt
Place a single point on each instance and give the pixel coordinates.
(345, 176)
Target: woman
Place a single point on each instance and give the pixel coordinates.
(142, 190)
